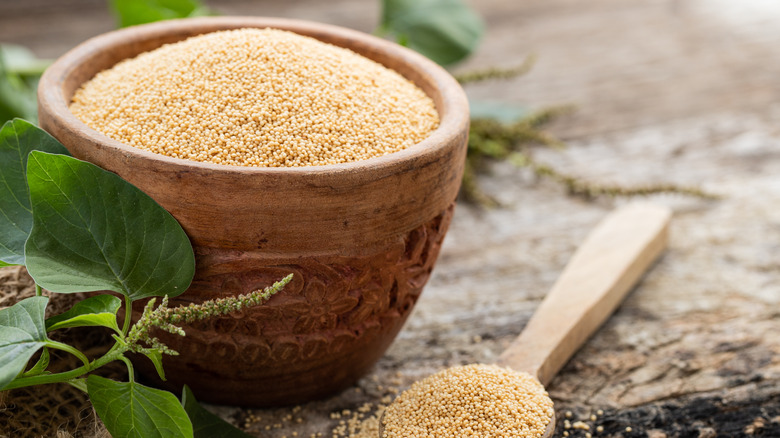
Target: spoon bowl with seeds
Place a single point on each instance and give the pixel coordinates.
(508, 399)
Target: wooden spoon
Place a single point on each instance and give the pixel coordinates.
(597, 278)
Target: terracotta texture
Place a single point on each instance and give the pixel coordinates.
(360, 237)
(335, 319)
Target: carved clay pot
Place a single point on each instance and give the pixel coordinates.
(361, 238)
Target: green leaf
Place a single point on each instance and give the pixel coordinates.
(98, 311)
(40, 366)
(93, 231)
(4, 264)
(501, 111)
(19, 60)
(16, 99)
(204, 423)
(156, 357)
(132, 12)
(445, 31)
(130, 410)
(22, 333)
(17, 138)
(17, 96)
(80, 384)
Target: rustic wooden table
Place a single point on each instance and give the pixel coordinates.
(682, 91)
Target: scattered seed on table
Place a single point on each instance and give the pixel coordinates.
(256, 97)
(580, 425)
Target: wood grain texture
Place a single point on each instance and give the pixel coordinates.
(599, 275)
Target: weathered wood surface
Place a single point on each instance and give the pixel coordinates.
(607, 265)
(684, 91)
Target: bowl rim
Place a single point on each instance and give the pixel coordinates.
(453, 113)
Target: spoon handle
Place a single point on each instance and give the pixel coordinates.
(597, 278)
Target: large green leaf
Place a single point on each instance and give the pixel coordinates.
(204, 423)
(92, 231)
(444, 30)
(132, 12)
(17, 138)
(131, 410)
(22, 333)
(98, 311)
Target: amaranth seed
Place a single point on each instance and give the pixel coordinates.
(256, 97)
(472, 400)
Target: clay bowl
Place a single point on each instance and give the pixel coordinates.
(361, 238)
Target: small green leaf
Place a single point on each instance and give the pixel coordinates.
(131, 410)
(132, 12)
(19, 60)
(445, 31)
(93, 231)
(501, 111)
(4, 264)
(204, 423)
(17, 96)
(80, 384)
(91, 312)
(17, 138)
(22, 333)
(40, 366)
(156, 357)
